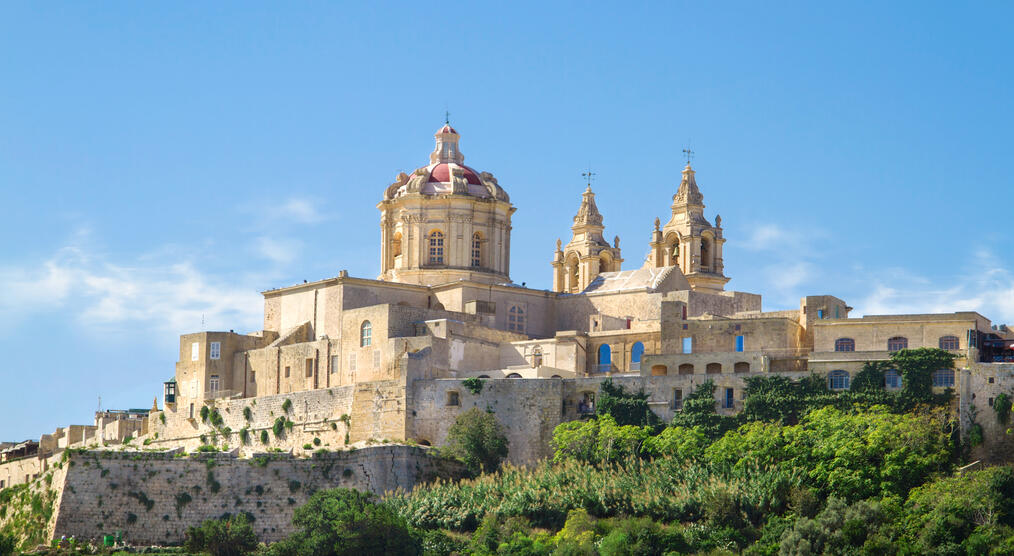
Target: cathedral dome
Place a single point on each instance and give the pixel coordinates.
(447, 174)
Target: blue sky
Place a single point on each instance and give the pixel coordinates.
(161, 164)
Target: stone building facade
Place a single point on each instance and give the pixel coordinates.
(351, 360)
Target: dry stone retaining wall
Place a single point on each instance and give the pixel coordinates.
(153, 497)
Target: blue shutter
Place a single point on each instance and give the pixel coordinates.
(739, 343)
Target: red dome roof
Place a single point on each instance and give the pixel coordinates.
(447, 129)
(442, 173)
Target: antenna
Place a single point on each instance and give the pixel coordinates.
(99, 410)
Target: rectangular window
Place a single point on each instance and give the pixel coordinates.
(820, 313)
(453, 398)
(309, 368)
(213, 383)
(376, 359)
(191, 411)
(195, 350)
(739, 343)
(729, 398)
(253, 376)
(216, 350)
(335, 363)
(352, 361)
(836, 313)
(688, 345)
(287, 372)
(516, 318)
(677, 399)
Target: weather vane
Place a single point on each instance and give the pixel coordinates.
(689, 153)
(588, 176)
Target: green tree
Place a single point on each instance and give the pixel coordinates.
(347, 522)
(478, 439)
(624, 407)
(699, 413)
(231, 536)
(576, 440)
(679, 442)
(619, 442)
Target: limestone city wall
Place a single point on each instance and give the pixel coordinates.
(153, 497)
(315, 414)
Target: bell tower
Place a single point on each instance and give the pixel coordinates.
(689, 241)
(587, 253)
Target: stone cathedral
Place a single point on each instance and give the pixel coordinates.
(353, 360)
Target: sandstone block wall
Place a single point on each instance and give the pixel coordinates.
(314, 413)
(154, 497)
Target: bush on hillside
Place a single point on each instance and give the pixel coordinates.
(624, 407)
(230, 536)
(7, 544)
(343, 521)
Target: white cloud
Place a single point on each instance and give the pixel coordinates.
(986, 286)
(766, 237)
(98, 293)
(278, 250)
(303, 211)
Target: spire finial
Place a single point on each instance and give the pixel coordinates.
(689, 154)
(588, 176)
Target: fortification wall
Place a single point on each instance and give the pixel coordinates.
(978, 388)
(154, 497)
(529, 410)
(314, 413)
(27, 510)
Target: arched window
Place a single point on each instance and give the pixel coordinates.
(686, 369)
(516, 319)
(366, 334)
(514, 375)
(476, 250)
(949, 342)
(572, 277)
(605, 358)
(436, 247)
(537, 357)
(838, 380)
(892, 379)
(844, 344)
(671, 255)
(713, 368)
(705, 253)
(605, 262)
(943, 378)
(897, 343)
(741, 367)
(635, 356)
(659, 370)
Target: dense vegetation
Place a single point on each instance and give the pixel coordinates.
(229, 536)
